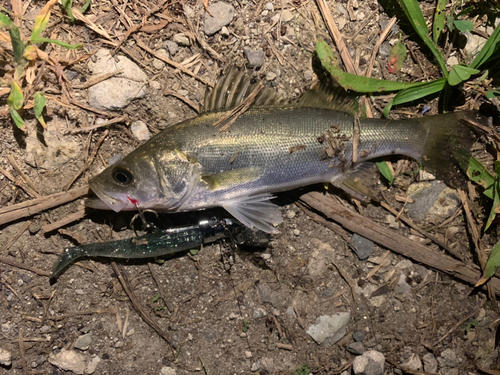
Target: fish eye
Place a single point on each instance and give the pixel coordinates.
(123, 176)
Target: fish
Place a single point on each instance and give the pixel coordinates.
(274, 145)
(162, 242)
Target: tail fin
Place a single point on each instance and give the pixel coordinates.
(447, 150)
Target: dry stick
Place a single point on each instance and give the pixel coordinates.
(80, 214)
(137, 306)
(18, 234)
(23, 266)
(378, 266)
(190, 103)
(22, 351)
(392, 240)
(24, 209)
(25, 178)
(89, 161)
(411, 224)
(284, 346)
(239, 109)
(337, 37)
(167, 302)
(18, 182)
(378, 44)
(349, 281)
(95, 80)
(476, 238)
(176, 65)
(115, 120)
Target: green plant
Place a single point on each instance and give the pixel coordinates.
(26, 54)
(410, 91)
(302, 370)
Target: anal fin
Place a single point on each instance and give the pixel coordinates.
(256, 211)
(357, 182)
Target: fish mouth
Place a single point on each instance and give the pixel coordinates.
(106, 201)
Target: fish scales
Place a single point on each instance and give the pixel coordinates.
(193, 165)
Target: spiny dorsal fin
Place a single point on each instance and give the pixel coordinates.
(235, 86)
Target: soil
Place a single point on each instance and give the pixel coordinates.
(225, 310)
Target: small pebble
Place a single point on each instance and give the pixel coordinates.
(270, 6)
(183, 92)
(290, 214)
(79, 291)
(140, 130)
(224, 31)
(296, 232)
(359, 336)
(255, 57)
(171, 46)
(155, 85)
(5, 357)
(308, 75)
(20, 282)
(34, 228)
(181, 39)
(286, 16)
(270, 76)
(248, 354)
(158, 64)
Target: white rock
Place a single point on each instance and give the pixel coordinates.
(69, 360)
(181, 39)
(248, 354)
(413, 363)
(452, 60)
(158, 64)
(222, 15)
(330, 329)
(286, 15)
(92, 365)
(116, 92)
(155, 85)
(369, 363)
(270, 76)
(224, 31)
(166, 370)
(474, 44)
(140, 131)
(5, 357)
(430, 363)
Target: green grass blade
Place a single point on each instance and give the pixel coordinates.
(18, 120)
(16, 97)
(58, 42)
(40, 102)
(423, 89)
(460, 73)
(481, 176)
(5, 21)
(386, 171)
(85, 6)
(439, 20)
(464, 25)
(414, 14)
(491, 265)
(491, 46)
(353, 82)
(17, 44)
(68, 5)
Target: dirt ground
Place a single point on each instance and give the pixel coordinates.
(224, 311)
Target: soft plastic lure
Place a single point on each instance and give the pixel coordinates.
(163, 242)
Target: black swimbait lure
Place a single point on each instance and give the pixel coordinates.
(164, 242)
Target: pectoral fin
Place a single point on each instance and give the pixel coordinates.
(230, 178)
(256, 211)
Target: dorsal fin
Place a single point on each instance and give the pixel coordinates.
(235, 86)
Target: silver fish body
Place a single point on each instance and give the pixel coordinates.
(193, 165)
